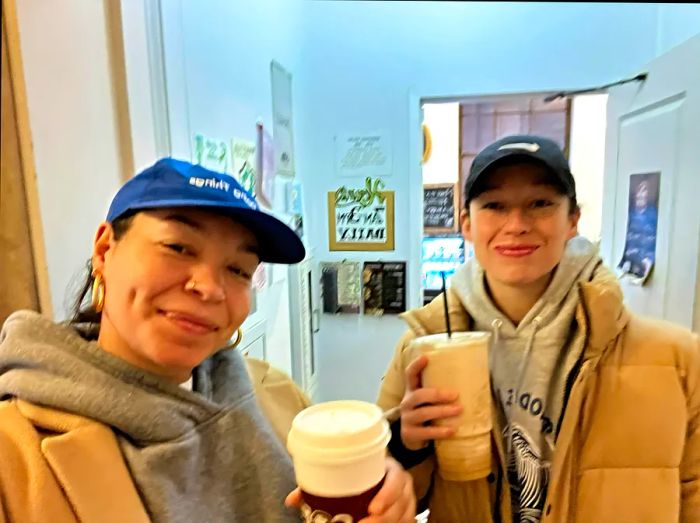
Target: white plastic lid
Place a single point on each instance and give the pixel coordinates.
(338, 431)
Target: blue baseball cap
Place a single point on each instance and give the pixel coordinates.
(176, 183)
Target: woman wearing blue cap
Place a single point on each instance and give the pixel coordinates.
(596, 412)
(135, 410)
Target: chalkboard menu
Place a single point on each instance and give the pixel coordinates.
(394, 287)
(440, 206)
(384, 288)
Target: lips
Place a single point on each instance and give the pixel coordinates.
(191, 323)
(516, 251)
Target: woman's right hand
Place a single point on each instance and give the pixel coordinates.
(420, 406)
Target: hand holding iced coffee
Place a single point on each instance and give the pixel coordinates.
(422, 405)
(456, 362)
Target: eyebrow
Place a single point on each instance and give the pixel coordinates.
(180, 218)
(194, 224)
(252, 249)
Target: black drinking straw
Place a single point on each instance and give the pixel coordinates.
(447, 316)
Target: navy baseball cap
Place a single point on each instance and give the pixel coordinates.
(528, 147)
(176, 183)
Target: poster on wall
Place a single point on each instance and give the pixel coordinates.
(211, 153)
(363, 155)
(361, 219)
(384, 288)
(264, 166)
(639, 254)
(243, 163)
(282, 123)
(341, 287)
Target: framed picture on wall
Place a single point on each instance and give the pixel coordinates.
(361, 224)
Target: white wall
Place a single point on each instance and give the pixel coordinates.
(676, 23)
(587, 160)
(140, 40)
(73, 125)
(385, 57)
(217, 57)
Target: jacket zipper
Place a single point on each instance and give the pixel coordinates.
(573, 374)
(567, 391)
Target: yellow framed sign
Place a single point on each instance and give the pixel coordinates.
(361, 219)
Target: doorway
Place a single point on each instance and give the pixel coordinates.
(455, 130)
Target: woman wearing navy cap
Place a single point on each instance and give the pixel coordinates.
(596, 411)
(134, 410)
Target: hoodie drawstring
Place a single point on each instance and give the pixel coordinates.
(496, 324)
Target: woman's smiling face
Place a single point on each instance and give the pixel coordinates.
(177, 286)
(519, 224)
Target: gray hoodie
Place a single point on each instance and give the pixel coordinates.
(530, 363)
(204, 456)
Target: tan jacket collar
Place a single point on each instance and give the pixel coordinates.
(86, 460)
(605, 313)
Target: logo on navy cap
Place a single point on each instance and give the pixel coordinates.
(529, 147)
(242, 195)
(212, 183)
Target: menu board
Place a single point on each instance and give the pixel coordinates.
(440, 206)
(384, 288)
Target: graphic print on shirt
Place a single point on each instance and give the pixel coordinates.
(528, 476)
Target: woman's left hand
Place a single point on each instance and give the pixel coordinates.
(395, 502)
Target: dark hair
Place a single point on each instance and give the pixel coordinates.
(480, 186)
(84, 314)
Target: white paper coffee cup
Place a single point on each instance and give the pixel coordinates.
(339, 448)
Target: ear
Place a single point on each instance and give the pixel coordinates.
(103, 243)
(574, 217)
(466, 224)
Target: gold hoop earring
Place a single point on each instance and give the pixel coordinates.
(98, 293)
(239, 338)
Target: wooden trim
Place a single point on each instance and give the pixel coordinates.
(455, 204)
(567, 129)
(388, 245)
(9, 13)
(120, 93)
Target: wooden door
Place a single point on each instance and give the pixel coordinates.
(23, 282)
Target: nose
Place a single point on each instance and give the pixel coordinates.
(206, 283)
(517, 221)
